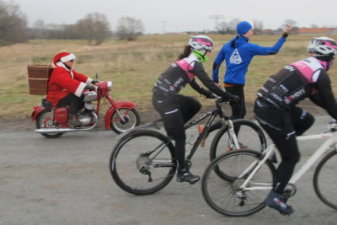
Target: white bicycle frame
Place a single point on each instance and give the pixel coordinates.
(331, 139)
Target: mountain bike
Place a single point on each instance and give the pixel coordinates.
(237, 183)
(143, 160)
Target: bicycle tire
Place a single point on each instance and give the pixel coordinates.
(250, 136)
(325, 179)
(133, 170)
(225, 195)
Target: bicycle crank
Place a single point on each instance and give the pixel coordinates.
(290, 191)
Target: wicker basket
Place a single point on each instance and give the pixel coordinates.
(38, 77)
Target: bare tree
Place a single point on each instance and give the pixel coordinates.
(258, 26)
(93, 27)
(13, 23)
(228, 27)
(290, 22)
(39, 24)
(232, 25)
(129, 28)
(222, 27)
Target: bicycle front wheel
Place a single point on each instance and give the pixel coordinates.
(325, 179)
(249, 135)
(223, 178)
(142, 162)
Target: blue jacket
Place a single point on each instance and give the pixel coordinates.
(239, 58)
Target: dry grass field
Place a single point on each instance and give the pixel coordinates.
(131, 66)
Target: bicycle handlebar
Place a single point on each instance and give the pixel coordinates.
(221, 100)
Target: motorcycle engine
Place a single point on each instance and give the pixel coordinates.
(89, 106)
(85, 119)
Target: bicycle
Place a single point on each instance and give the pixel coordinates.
(237, 183)
(142, 162)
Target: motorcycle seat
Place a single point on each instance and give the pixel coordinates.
(46, 104)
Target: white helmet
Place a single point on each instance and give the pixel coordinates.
(322, 46)
(201, 42)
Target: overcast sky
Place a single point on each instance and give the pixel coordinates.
(160, 16)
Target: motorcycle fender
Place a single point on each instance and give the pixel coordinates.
(36, 111)
(111, 111)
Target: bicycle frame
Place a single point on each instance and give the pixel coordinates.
(331, 138)
(212, 114)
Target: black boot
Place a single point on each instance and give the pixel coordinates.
(73, 121)
(278, 202)
(184, 175)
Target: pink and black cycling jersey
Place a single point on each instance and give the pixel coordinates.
(295, 82)
(183, 72)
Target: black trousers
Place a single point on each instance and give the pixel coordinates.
(239, 108)
(75, 103)
(283, 127)
(175, 112)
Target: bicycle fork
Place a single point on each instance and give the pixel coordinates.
(232, 135)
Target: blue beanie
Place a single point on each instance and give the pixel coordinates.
(243, 27)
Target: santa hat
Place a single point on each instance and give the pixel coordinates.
(63, 57)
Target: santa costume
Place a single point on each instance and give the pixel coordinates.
(65, 83)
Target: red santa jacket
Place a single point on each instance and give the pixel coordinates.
(64, 81)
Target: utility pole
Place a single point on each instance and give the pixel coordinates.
(163, 23)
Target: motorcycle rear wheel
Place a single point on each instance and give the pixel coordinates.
(131, 120)
(45, 120)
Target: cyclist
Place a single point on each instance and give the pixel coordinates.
(177, 109)
(276, 110)
(238, 53)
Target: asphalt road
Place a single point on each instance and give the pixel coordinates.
(66, 181)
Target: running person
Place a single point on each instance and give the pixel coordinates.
(177, 109)
(276, 110)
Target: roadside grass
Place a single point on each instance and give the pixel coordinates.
(133, 67)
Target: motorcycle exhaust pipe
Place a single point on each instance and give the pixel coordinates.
(63, 130)
(66, 129)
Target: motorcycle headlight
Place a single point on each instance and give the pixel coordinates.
(105, 86)
(109, 84)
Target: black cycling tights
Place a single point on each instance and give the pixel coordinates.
(283, 127)
(175, 113)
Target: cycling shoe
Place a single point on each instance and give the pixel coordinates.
(277, 201)
(185, 175)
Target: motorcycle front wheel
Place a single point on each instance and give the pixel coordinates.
(130, 119)
(46, 120)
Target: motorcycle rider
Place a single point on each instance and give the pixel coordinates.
(66, 86)
(276, 110)
(176, 109)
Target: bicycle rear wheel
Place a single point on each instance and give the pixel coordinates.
(142, 162)
(325, 179)
(249, 134)
(225, 195)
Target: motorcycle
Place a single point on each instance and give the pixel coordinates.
(52, 121)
